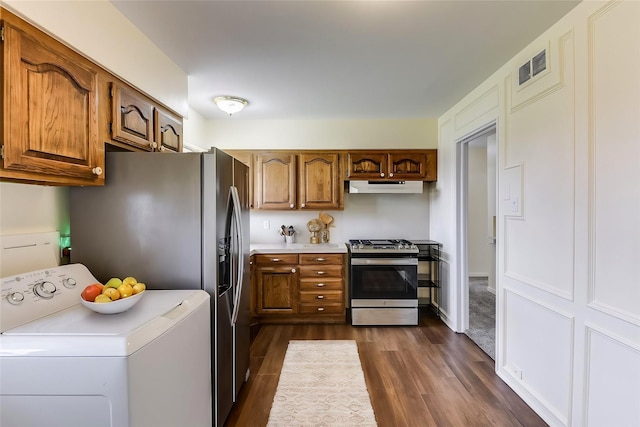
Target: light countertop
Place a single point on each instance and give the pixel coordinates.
(283, 248)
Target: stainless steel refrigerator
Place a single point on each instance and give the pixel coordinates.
(176, 221)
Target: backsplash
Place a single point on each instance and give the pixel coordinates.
(404, 216)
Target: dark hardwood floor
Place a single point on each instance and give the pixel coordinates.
(424, 375)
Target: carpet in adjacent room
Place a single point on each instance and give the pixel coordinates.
(482, 315)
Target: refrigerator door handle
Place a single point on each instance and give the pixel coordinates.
(237, 295)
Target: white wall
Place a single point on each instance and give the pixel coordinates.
(365, 216)
(28, 208)
(477, 236)
(568, 286)
(323, 134)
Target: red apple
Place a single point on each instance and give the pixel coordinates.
(91, 292)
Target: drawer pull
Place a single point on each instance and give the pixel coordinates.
(275, 259)
(320, 296)
(320, 285)
(293, 270)
(320, 259)
(321, 272)
(320, 308)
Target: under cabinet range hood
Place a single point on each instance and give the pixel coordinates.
(386, 187)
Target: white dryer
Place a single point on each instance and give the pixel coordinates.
(64, 365)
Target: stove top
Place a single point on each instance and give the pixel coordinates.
(399, 246)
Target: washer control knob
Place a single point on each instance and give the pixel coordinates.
(15, 298)
(44, 289)
(69, 282)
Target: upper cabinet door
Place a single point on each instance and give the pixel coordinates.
(49, 111)
(132, 118)
(410, 166)
(319, 184)
(275, 181)
(168, 132)
(432, 166)
(366, 166)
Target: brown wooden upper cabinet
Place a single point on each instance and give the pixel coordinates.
(140, 123)
(275, 181)
(285, 181)
(168, 131)
(132, 118)
(49, 110)
(414, 165)
(319, 184)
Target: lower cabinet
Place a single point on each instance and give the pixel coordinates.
(299, 288)
(276, 284)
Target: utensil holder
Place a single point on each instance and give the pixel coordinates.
(288, 239)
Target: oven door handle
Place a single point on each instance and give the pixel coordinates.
(384, 261)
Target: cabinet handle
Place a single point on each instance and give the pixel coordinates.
(320, 259)
(302, 205)
(382, 174)
(275, 259)
(391, 175)
(320, 272)
(320, 285)
(293, 270)
(154, 145)
(97, 171)
(320, 308)
(320, 296)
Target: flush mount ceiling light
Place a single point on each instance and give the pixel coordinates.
(230, 104)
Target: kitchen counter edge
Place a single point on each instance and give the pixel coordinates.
(283, 248)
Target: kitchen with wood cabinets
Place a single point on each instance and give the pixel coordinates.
(50, 112)
(297, 283)
(314, 180)
(61, 112)
(419, 165)
(140, 123)
(308, 180)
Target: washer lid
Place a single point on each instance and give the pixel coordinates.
(78, 331)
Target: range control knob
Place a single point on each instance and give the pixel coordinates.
(15, 298)
(44, 289)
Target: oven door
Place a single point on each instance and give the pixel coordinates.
(384, 278)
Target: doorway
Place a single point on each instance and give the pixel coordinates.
(477, 188)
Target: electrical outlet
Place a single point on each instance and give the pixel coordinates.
(517, 372)
(514, 204)
(265, 224)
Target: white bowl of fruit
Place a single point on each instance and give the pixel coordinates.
(113, 297)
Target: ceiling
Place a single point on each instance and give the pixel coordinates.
(339, 59)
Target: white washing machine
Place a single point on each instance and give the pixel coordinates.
(61, 364)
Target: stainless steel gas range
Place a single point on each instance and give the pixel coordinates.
(383, 282)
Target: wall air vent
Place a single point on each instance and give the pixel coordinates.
(532, 67)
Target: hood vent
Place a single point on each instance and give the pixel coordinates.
(385, 187)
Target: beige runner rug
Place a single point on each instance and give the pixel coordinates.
(321, 384)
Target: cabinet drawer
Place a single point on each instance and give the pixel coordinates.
(322, 309)
(276, 259)
(313, 284)
(321, 298)
(320, 271)
(321, 259)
